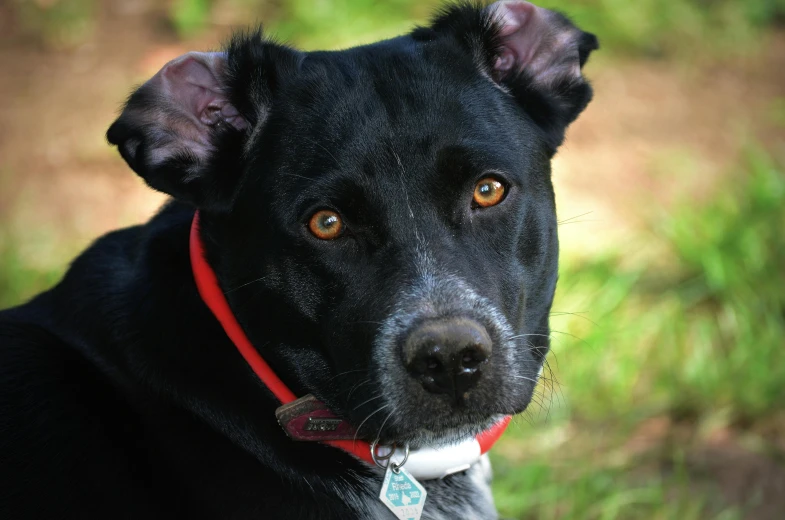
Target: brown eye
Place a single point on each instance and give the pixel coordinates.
(326, 224)
(488, 192)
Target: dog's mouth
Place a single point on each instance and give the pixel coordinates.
(403, 411)
(390, 425)
(443, 433)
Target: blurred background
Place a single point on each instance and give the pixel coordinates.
(664, 396)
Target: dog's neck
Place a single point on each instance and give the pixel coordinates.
(199, 371)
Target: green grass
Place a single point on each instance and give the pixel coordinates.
(687, 324)
(704, 309)
(537, 490)
(19, 281)
(640, 27)
(673, 27)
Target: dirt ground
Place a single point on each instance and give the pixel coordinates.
(657, 132)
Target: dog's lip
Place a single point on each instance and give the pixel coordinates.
(449, 420)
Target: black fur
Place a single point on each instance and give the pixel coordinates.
(120, 395)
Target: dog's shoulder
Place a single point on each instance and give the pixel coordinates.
(59, 426)
(52, 347)
(66, 428)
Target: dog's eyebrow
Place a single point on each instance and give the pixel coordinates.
(331, 188)
(467, 159)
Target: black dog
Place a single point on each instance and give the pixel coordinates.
(381, 221)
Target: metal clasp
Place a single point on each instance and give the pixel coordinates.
(394, 466)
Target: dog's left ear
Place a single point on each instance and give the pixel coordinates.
(534, 53)
(539, 57)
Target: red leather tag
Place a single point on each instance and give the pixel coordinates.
(308, 419)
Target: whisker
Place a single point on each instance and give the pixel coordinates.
(566, 220)
(357, 432)
(378, 435)
(526, 335)
(550, 403)
(555, 358)
(526, 378)
(553, 380)
(536, 399)
(344, 373)
(526, 416)
(579, 221)
(355, 387)
(574, 337)
(377, 396)
(576, 314)
(246, 284)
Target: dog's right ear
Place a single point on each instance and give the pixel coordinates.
(184, 130)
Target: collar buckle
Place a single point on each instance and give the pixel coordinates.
(308, 419)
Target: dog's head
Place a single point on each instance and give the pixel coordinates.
(381, 218)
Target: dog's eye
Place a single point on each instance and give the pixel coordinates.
(488, 192)
(326, 224)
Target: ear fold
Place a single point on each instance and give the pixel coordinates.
(185, 129)
(172, 126)
(533, 53)
(539, 57)
(542, 43)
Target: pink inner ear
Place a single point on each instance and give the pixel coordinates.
(518, 32)
(534, 41)
(191, 82)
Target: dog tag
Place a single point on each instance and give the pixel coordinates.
(402, 494)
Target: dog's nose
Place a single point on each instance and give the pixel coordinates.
(447, 355)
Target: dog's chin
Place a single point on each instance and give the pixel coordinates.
(423, 419)
(450, 427)
(438, 433)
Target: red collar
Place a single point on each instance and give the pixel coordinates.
(295, 412)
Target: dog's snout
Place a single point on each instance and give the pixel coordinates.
(447, 355)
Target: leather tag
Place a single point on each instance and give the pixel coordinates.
(308, 419)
